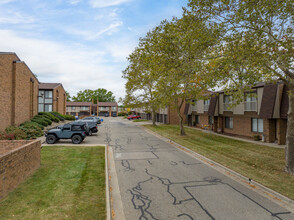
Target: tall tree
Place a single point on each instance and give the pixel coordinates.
(181, 52)
(142, 77)
(257, 45)
(88, 95)
(68, 97)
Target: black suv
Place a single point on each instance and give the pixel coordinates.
(75, 131)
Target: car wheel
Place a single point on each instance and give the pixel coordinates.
(90, 133)
(76, 139)
(50, 139)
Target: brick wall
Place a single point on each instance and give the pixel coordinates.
(18, 160)
(282, 130)
(59, 105)
(6, 66)
(173, 117)
(18, 91)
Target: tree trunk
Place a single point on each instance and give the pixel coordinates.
(182, 130)
(289, 151)
(153, 117)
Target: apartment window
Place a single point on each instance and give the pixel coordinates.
(257, 125)
(206, 104)
(250, 102)
(228, 122)
(45, 101)
(113, 108)
(73, 108)
(103, 108)
(196, 119)
(227, 102)
(84, 108)
(210, 120)
(194, 102)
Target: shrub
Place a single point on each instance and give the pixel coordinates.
(40, 121)
(58, 115)
(51, 116)
(49, 121)
(5, 136)
(32, 130)
(33, 123)
(123, 113)
(69, 117)
(17, 132)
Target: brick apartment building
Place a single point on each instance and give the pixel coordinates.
(263, 113)
(88, 108)
(18, 91)
(52, 97)
(167, 115)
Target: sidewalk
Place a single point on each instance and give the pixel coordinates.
(240, 139)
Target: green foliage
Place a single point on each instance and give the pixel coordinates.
(28, 123)
(18, 133)
(68, 97)
(5, 136)
(123, 113)
(40, 121)
(32, 130)
(69, 117)
(58, 115)
(44, 118)
(49, 115)
(88, 95)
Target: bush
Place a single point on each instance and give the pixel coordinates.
(16, 132)
(69, 117)
(49, 115)
(40, 121)
(5, 136)
(49, 121)
(32, 130)
(33, 123)
(58, 115)
(123, 113)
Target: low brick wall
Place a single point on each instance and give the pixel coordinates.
(18, 160)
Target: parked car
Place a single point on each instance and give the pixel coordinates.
(92, 126)
(75, 131)
(95, 119)
(113, 114)
(131, 117)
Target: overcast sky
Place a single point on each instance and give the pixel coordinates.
(82, 44)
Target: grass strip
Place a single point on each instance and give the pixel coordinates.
(139, 120)
(70, 184)
(261, 163)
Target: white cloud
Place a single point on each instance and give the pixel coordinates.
(3, 2)
(91, 35)
(106, 3)
(74, 2)
(14, 17)
(75, 67)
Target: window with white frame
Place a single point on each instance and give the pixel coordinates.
(206, 104)
(73, 108)
(250, 103)
(194, 107)
(257, 125)
(113, 108)
(45, 100)
(228, 122)
(84, 108)
(103, 108)
(227, 103)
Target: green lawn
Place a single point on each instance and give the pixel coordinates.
(70, 184)
(261, 163)
(139, 120)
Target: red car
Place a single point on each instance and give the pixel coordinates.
(131, 117)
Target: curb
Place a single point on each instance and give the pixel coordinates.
(108, 216)
(255, 186)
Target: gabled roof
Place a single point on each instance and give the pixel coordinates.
(78, 103)
(268, 101)
(106, 104)
(49, 85)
